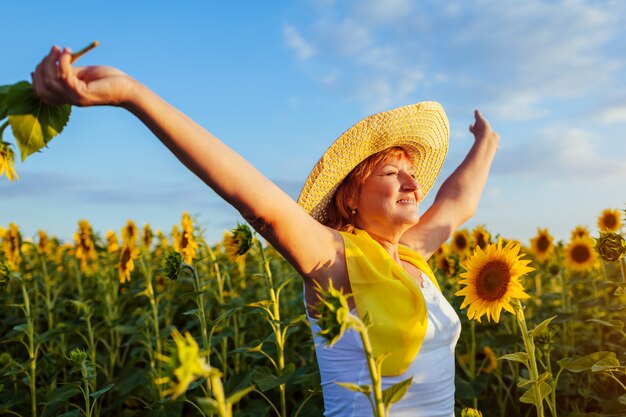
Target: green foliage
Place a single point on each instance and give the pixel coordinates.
(112, 326)
(33, 122)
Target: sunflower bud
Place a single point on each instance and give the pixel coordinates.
(173, 266)
(334, 314)
(238, 242)
(78, 358)
(610, 246)
(471, 412)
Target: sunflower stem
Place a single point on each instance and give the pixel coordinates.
(379, 410)
(532, 361)
(472, 357)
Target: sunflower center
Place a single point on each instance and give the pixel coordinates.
(543, 243)
(460, 241)
(581, 254)
(125, 257)
(493, 281)
(610, 222)
(481, 242)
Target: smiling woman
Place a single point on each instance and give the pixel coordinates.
(364, 234)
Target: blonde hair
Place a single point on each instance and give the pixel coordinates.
(340, 211)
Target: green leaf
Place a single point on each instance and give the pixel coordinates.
(208, 405)
(74, 413)
(541, 327)
(394, 393)
(585, 363)
(365, 389)
(4, 89)
(192, 312)
(21, 327)
(529, 396)
(63, 393)
(267, 380)
(615, 324)
(98, 393)
(622, 399)
(516, 357)
(33, 122)
(237, 396)
(609, 362)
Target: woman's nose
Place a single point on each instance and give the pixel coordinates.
(410, 184)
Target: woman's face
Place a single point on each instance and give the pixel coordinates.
(389, 197)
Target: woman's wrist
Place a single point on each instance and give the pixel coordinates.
(132, 94)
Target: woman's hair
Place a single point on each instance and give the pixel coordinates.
(340, 209)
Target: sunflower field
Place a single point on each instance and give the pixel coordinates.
(140, 323)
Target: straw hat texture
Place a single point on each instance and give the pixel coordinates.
(420, 128)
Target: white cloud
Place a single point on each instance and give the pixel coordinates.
(517, 106)
(508, 56)
(560, 155)
(296, 42)
(616, 114)
(383, 11)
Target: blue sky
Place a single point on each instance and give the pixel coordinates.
(279, 81)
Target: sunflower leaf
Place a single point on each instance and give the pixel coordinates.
(33, 122)
(541, 327)
(530, 398)
(521, 357)
(615, 324)
(4, 89)
(237, 396)
(394, 393)
(365, 389)
(587, 362)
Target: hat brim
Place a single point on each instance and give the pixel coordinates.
(420, 128)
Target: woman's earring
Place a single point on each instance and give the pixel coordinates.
(354, 212)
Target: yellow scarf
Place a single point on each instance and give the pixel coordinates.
(391, 296)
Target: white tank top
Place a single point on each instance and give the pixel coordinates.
(432, 392)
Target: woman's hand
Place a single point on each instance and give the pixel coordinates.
(482, 129)
(56, 81)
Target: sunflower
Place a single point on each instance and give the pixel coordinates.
(541, 246)
(11, 246)
(460, 243)
(580, 231)
(44, 244)
(130, 233)
(112, 243)
(162, 243)
(188, 245)
(146, 238)
(579, 254)
(492, 279)
(481, 236)
(7, 160)
(491, 359)
(85, 247)
(127, 261)
(444, 262)
(609, 221)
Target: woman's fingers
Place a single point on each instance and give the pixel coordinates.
(52, 79)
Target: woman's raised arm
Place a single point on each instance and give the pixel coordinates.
(458, 197)
(307, 245)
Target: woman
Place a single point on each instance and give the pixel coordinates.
(357, 224)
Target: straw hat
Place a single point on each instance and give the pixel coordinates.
(420, 128)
